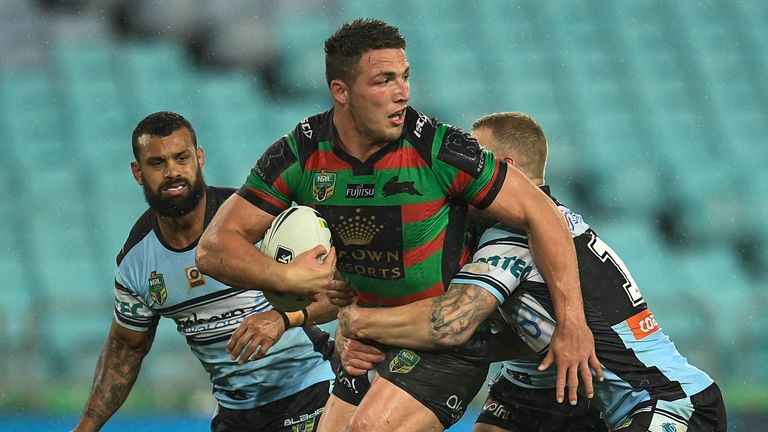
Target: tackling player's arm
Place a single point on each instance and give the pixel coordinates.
(226, 252)
(116, 372)
(444, 321)
(258, 333)
(523, 205)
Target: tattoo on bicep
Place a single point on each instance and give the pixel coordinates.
(457, 312)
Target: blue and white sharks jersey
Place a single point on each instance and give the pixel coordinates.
(154, 280)
(638, 359)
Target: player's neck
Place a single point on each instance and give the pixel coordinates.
(180, 232)
(351, 140)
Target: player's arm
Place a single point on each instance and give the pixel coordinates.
(445, 321)
(258, 333)
(523, 205)
(116, 371)
(226, 252)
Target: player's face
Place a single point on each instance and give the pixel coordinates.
(170, 171)
(380, 94)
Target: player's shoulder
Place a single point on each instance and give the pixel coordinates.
(310, 132)
(502, 235)
(141, 228)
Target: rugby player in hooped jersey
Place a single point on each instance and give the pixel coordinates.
(649, 386)
(282, 385)
(394, 185)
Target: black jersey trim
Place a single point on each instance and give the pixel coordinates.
(420, 131)
(321, 341)
(274, 161)
(495, 188)
(141, 228)
(120, 287)
(455, 241)
(258, 201)
(202, 300)
(202, 342)
(145, 323)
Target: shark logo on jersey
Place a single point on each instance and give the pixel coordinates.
(404, 361)
(157, 288)
(323, 185)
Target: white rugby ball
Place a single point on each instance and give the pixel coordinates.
(295, 230)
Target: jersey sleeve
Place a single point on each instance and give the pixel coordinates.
(469, 171)
(271, 180)
(499, 266)
(131, 311)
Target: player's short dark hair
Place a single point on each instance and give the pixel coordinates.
(345, 47)
(162, 123)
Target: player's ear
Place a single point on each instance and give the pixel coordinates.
(200, 156)
(339, 91)
(136, 171)
(510, 161)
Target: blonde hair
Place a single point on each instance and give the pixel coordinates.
(518, 136)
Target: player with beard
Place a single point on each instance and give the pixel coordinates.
(285, 384)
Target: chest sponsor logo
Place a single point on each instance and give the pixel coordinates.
(356, 190)
(323, 185)
(394, 187)
(368, 240)
(157, 287)
(643, 324)
(194, 277)
(404, 361)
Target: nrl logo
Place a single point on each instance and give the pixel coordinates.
(323, 185)
(404, 361)
(157, 288)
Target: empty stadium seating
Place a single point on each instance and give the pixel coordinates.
(651, 109)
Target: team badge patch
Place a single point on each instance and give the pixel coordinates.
(323, 185)
(404, 361)
(194, 277)
(157, 288)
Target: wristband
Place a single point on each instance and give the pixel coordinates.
(284, 316)
(306, 316)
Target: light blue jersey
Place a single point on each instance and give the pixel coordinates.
(639, 361)
(154, 280)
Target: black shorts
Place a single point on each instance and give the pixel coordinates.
(443, 381)
(519, 409)
(300, 411)
(706, 413)
(351, 389)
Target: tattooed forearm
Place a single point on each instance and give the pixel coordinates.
(456, 314)
(116, 371)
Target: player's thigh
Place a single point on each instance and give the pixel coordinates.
(388, 408)
(336, 415)
(444, 382)
(512, 408)
(484, 427)
(702, 412)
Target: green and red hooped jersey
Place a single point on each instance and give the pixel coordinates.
(399, 219)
